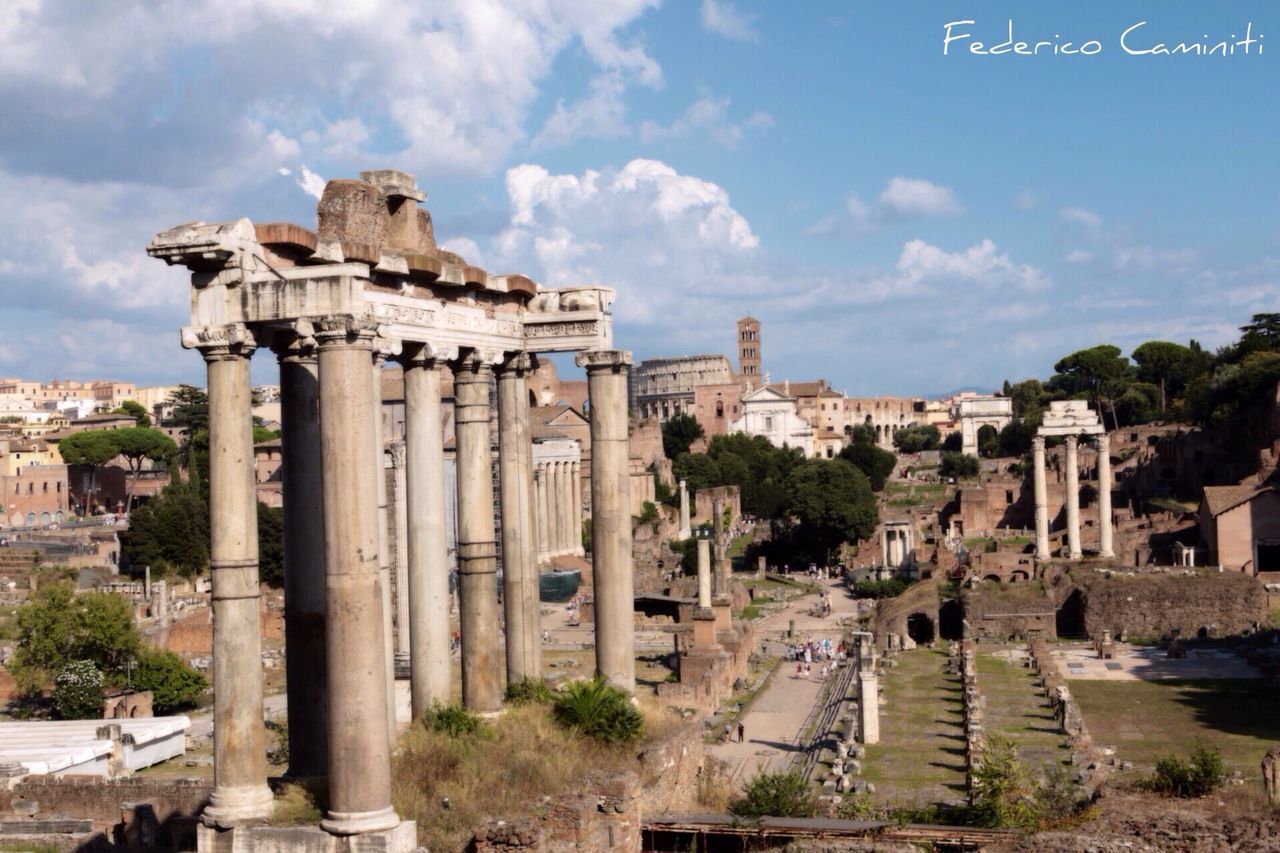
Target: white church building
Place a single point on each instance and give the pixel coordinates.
(773, 415)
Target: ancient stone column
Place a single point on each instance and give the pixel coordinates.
(566, 508)
(868, 693)
(304, 618)
(428, 570)
(611, 516)
(1105, 548)
(704, 573)
(575, 509)
(542, 487)
(555, 523)
(384, 541)
(685, 529)
(1042, 498)
(400, 566)
(360, 765)
(240, 793)
(477, 546)
(519, 550)
(1073, 499)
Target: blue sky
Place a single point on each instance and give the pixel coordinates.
(902, 221)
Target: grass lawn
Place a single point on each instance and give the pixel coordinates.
(1145, 720)
(1018, 710)
(920, 757)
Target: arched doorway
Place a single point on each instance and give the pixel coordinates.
(1070, 616)
(1018, 576)
(920, 628)
(951, 620)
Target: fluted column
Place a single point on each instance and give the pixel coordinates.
(519, 549)
(575, 509)
(543, 488)
(1073, 499)
(611, 557)
(564, 494)
(477, 546)
(429, 657)
(400, 565)
(1105, 547)
(240, 793)
(306, 673)
(1041, 497)
(384, 541)
(360, 765)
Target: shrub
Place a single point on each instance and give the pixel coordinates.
(1177, 778)
(958, 465)
(295, 806)
(599, 710)
(77, 691)
(1000, 787)
(452, 720)
(777, 795)
(529, 691)
(887, 588)
(856, 807)
(173, 684)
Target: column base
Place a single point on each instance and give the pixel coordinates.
(1075, 555)
(360, 823)
(1107, 555)
(1042, 555)
(403, 838)
(242, 805)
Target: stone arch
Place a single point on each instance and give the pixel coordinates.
(951, 620)
(45, 518)
(993, 578)
(920, 628)
(1070, 615)
(1019, 576)
(31, 519)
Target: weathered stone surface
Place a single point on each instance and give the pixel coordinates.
(1271, 774)
(352, 211)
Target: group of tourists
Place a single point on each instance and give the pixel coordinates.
(821, 652)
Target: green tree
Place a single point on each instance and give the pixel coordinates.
(173, 684)
(1028, 399)
(172, 530)
(832, 503)
(862, 434)
(136, 444)
(876, 463)
(261, 434)
(679, 433)
(271, 545)
(135, 410)
(1261, 333)
(93, 448)
(699, 470)
(916, 438)
(1168, 365)
(77, 691)
(777, 795)
(1015, 438)
(57, 626)
(958, 465)
(1098, 373)
(953, 443)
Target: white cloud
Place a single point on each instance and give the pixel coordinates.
(1080, 216)
(722, 18)
(901, 199)
(1078, 256)
(453, 81)
(311, 183)
(907, 197)
(1026, 200)
(600, 115)
(708, 116)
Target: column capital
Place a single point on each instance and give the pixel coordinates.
(516, 363)
(345, 330)
(1037, 443)
(1073, 441)
(397, 451)
(220, 343)
(296, 346)
(604, 359)
(1102, 441)
(474, 365)
(425, 354)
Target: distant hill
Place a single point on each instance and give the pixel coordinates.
(974, 389)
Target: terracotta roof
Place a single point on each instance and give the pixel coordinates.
(543, 415)
(827, 435)
(1219, 499)
(800, 389)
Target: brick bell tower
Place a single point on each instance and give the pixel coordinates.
(749, 360)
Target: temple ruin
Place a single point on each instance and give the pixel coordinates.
(368, 286)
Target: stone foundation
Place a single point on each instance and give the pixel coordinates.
(306, 839)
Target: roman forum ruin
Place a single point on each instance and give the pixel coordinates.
(1070, 419)
(370, 285)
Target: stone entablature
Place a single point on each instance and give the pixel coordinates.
(1071, 419)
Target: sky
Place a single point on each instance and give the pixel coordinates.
(902, 221)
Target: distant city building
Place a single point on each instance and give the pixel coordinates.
(769, 412)
(750, 360)
(664, 387)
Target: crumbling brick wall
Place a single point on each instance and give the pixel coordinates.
(1152, 605)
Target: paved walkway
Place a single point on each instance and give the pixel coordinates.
(774, 721)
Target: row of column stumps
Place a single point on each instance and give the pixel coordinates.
(1072, 498)
(338, 557)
